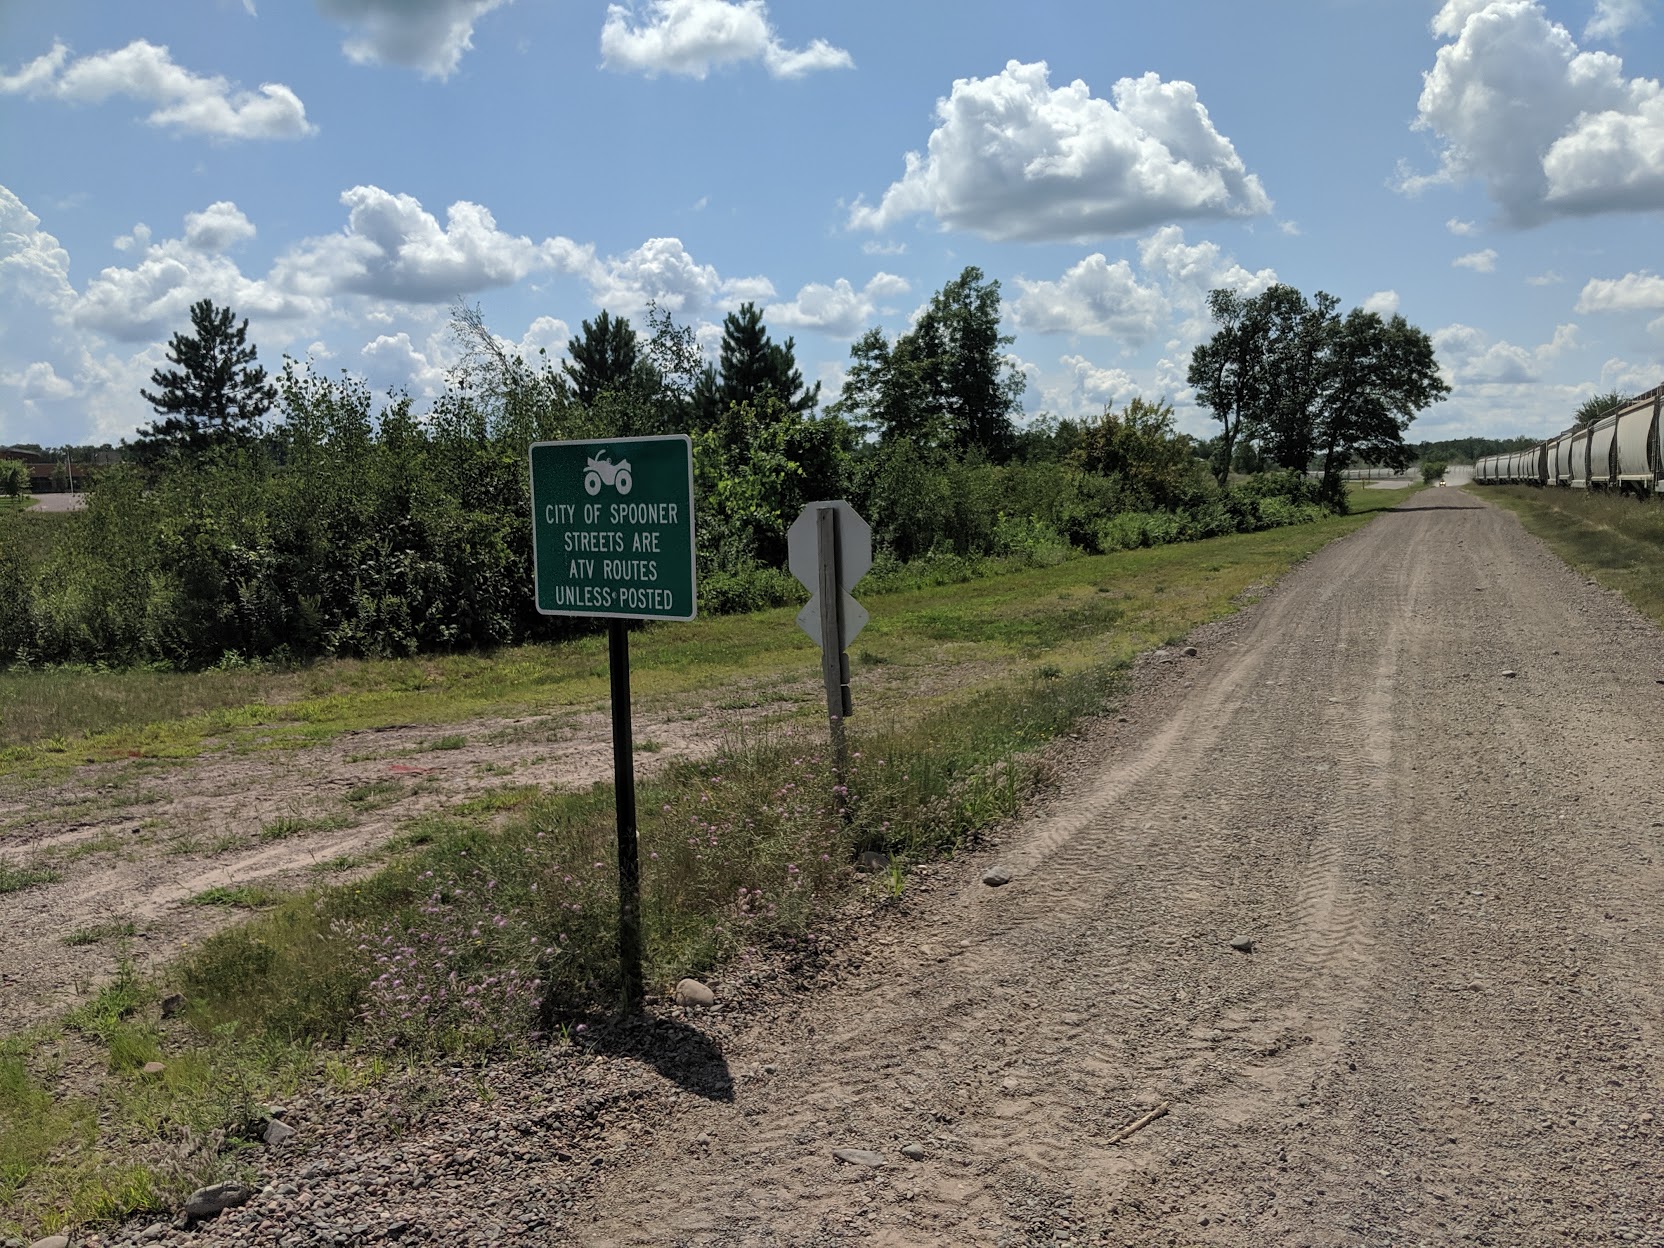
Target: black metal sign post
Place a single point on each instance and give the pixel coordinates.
(632, 499)
(624, 788)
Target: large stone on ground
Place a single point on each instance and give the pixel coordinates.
(205, 1202)
(278, 1131)
(692, 992)
(858, 1156)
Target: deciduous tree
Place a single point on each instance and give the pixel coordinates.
(1599, 407)
(1304, 384)
(14, 479)
(945, 384)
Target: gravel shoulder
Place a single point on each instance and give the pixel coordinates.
(1368, 896)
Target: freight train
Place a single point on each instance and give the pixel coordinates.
(1623, 452)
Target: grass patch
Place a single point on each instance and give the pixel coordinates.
(79, 704)
(16, 878)
(55, 721)
(1617, 539)
(376, 794)
(116, 929)
(293, 825)
(238, 896)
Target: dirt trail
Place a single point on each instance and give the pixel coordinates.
(1421, 778)
(134, 842)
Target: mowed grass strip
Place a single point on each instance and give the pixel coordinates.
(1617, 539)
(54, 721)
(494, 923)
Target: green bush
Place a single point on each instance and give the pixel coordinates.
(1030, 541)
(750, 588)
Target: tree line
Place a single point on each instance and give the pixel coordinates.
(302, 514)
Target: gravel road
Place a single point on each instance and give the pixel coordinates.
(1421, 779)
(1368, 895)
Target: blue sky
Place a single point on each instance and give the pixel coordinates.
(342, 171)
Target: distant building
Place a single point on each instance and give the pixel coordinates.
(49, 476)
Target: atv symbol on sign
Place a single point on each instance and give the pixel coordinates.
(601, 471)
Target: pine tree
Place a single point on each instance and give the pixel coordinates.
(216, 394)
(605, 356)
(750, 366)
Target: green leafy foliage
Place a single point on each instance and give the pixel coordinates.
(14, 480)
(1302, 384)
(946, 385)
(357, 526)
(1599, 407)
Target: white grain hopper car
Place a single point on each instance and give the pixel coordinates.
(1623, 451)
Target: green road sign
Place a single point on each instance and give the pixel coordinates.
(612, 528)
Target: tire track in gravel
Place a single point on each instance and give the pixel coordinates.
(1440, 1033)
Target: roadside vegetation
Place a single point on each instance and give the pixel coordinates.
(283, 520)
(490, 925)
(1616, 538)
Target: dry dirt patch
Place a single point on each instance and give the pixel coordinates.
(134, 841)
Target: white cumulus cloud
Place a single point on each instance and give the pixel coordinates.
(39, 380)
(693, 37)
(1633, 292)
(1383, 303)
(659, 271)
(1013, 158)
(34, 267)
(1613, 17)
(1550, 129)
(425, 35)
(145, 300)
(1095, 297)
(1085, 388)
(218, 227)
(394, 361)
(1478, 261)
(838, 310)
(1470, 356)
(179, 99)
(393, 248)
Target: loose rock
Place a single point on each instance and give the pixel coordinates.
(1189, 652)
(871, 860)
(52, 1241)
(1510, 673)
(1243, 944)
(913, 1152)
(153, 1068)
(692, 992)
(205, 1202)
(278, 1132)
(996, 876)
(858, 1156)
(173, 1004)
